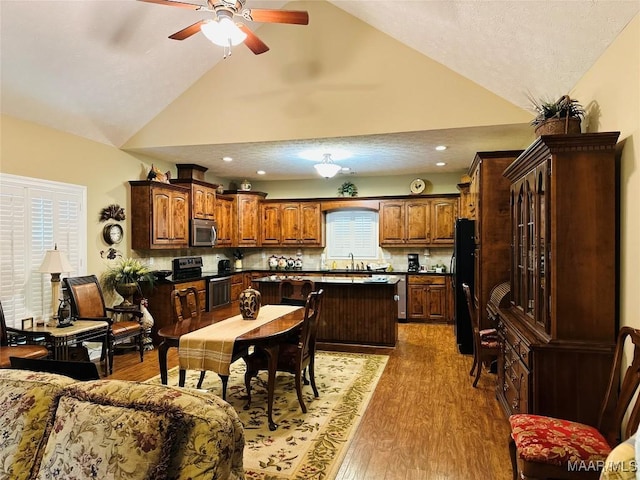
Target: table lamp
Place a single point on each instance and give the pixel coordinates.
(55, 262)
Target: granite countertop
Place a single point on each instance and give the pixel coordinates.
(382, 279)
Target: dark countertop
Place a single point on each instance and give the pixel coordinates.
(341, 279)
(283, 273)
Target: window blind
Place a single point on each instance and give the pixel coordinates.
(352, 231)
(36, 215)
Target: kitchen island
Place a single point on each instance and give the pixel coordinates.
(356, 310)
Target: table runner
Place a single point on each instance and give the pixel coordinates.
(211, 347)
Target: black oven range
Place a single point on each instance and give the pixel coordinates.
(186, 268)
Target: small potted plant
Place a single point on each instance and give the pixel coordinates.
(125, 277)
(348, 189)
(562, 116)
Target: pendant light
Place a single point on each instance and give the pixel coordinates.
(327, 168)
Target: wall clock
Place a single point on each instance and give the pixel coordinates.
(417, 186)
(112, 233)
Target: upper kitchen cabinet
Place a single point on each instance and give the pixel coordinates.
(247, 210)
(225, 220)
(203, 194)
(420, 221)
(291, 224)
(301, 224)
(270, 224)
(160, 218)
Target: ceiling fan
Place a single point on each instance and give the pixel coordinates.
(222, 30)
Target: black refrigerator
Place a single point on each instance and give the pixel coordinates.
(462, 265)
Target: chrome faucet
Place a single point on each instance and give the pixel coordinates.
(352, 263)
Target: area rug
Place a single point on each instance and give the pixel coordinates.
(305, 446)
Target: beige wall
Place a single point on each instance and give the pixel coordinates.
(344, 78)
(611, 93)
(31, 150)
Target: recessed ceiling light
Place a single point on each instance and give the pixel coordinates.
(441, 148)
(227, 159)
(261, 172)
(441, 164)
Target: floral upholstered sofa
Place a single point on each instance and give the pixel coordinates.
(54, 427)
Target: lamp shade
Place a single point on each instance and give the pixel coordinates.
(55, 261)
(327, 168)
(223, 32)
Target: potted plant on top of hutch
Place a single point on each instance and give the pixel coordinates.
(562, 116)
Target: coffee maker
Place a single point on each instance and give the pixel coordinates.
(414, 263)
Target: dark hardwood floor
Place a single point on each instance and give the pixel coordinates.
(425, 420)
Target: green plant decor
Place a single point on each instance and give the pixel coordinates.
(562, 108)
(127, 270)
(348, 189)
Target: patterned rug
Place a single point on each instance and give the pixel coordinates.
(305, 446)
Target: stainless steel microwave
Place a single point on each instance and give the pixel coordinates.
(203, 233)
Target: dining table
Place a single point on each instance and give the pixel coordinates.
(268, 336)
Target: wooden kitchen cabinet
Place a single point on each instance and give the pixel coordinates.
(203, 198)
(420, 222)
(270, 224)
(558, 332)
(301, 224)
(225, 220)
(237, 285)
(428, 298)
(291, 224)
(247, 214)
(160, 218)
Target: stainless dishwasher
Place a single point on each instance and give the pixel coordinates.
(218, 292)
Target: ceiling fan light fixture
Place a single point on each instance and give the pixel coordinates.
(327, 168)
(223, 32)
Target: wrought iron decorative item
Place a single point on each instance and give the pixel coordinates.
(114, 211)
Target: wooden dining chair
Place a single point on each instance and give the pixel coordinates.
(551, 448)
(485, 342)
(87, 303)
(295, 291)
(186, 306)
(8, 350)
(293, 357)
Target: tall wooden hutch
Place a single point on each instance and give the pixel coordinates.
(489, 206)
(559, 331)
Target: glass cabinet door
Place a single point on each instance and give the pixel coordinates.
(531, 246)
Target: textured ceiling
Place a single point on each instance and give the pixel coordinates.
(96, 69)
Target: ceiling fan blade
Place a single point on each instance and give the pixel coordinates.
(256, 45)
(174, 4)
(187, 32)
(276, 16)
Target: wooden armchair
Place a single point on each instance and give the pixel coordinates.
(87, 303)
(23, 351)
(295, 357)
(551, 448)
(186, 306)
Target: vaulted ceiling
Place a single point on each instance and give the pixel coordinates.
(387, 79)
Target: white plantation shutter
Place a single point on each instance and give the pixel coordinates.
(352, 231)
(36, 215)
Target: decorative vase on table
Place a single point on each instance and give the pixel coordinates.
(126, 291)
(250, 301)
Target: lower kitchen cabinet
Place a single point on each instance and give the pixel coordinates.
(428, 298)
(237, 285)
